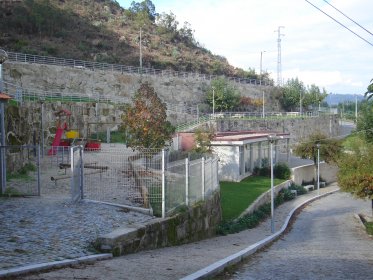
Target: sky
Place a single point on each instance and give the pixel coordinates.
(314, 48)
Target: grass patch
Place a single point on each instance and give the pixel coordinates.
(237, 196)
(369, 227)
(22, 173)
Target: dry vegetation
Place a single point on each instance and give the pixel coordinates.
(100, 30)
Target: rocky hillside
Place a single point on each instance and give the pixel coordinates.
(102, 31)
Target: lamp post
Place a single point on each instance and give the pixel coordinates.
(300, 103)
(213, 102)
(140, 46)
(356, 109)
(271, 140)
(318, 168)
(261, 63)
(263, 113)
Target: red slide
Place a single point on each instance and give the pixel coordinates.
(57, 140)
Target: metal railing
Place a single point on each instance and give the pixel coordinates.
(20, 95)
(93, 66)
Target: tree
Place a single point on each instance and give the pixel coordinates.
(223, 95)
(142, 12)
(369, 92)
(203, 140)
(146, 120)
(293, 90)
(365, 120)
(314, 96)
(355, 174)
(167, 23)
(329, 149)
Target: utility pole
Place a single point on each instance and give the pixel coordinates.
(261, 63)
(279, 66)
(356, 109)
(140, 52)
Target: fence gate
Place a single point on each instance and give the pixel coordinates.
(77, 172)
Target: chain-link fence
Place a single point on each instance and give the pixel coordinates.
(153, 179)
(146, 179)
(20, 170)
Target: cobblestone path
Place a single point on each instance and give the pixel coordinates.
(37, 230)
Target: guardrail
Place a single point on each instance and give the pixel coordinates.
(93, 66)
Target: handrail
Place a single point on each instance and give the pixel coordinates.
(93, 66)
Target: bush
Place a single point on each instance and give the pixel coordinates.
(300, 190)
(281, 171)
(287, 194)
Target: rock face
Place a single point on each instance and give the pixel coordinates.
(25, 122)
(175, 90)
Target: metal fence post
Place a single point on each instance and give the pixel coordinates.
(38, 167)
(203, 178)
(3, 168)
(81, 153)
(187, 181)
(163, 183)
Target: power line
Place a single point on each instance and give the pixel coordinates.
(348, 17)
(339, 23)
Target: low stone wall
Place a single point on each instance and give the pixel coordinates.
(265, 198)
(306, 173)
(197, 222)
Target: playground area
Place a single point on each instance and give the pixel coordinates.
(115, 174)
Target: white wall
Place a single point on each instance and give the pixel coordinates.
(228, 162)
(307, 173)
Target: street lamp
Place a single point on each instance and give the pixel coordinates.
(261, 60)
(318, 168)
(271, 139)
(213, 102)
(263, 114)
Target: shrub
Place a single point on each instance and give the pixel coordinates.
(281, 171)
(287, 194)
(300, 190)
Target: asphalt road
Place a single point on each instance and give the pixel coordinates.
(325, 242)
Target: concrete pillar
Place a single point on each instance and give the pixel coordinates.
(251, 157)
(260, 153)
(288, 151)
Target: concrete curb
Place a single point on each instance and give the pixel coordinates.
(219, 266)
(45, 266)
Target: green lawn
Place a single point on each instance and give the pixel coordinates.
(236, 197)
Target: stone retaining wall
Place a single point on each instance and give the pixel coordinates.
(197, 222)
(265, 198)
(299, 128)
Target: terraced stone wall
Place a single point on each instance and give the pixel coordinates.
(196, 223)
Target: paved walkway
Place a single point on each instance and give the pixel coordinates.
(325, 242)
(38, 230)
(176, 262)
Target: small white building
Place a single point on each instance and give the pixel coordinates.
(241, 151)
